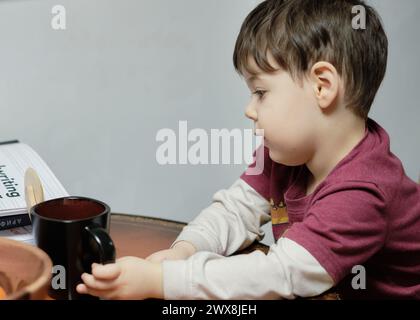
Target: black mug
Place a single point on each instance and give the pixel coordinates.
(74, 232)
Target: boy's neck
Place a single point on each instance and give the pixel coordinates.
(336, 141)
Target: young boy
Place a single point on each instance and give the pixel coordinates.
(338, 198)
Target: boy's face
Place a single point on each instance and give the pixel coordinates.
(288, 113)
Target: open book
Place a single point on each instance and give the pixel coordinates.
(15, 159)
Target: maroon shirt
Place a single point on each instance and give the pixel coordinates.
(366, 212)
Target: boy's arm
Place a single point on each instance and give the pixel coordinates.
(346, 226)
(232, 222)
(288, 271)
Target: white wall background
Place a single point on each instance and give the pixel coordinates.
(91, 99)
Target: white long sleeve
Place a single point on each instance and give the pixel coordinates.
(231, 223)
(287, 271)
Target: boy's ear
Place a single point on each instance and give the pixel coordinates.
(325, 81)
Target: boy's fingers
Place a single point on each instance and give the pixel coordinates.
(124, 259)
(83, 289)
(93, 283)
(106, 272)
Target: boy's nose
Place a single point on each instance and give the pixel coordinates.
(251, 113)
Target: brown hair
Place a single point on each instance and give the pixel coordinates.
(298, 33)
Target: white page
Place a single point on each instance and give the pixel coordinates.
(15, 159)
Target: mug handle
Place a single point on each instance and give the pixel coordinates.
(104, 245)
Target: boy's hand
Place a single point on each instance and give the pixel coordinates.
(181, 251)
(127, 278)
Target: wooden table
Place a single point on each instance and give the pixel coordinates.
(141, 236)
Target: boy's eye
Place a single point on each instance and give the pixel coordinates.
(259, 93)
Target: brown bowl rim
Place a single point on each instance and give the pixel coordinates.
(41, 281)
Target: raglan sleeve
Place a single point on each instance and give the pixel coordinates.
(344, 227)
